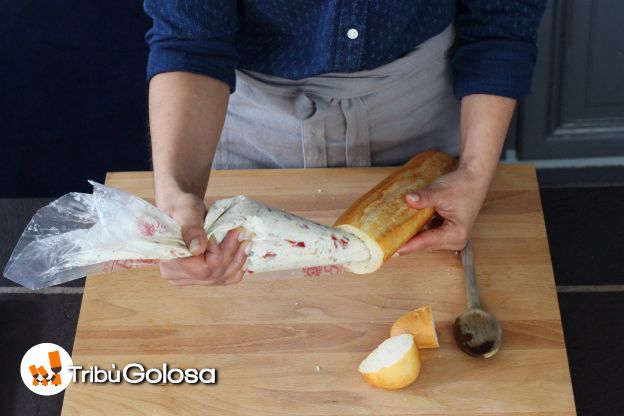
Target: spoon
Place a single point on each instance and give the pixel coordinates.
(476, 331)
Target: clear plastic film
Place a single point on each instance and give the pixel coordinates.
(86, 234)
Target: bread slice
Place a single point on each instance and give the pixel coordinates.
(418, 323)
(394, 364)
(382, 218)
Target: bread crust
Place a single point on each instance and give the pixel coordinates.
(382, 213)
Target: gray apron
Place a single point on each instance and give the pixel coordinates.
(377, 117)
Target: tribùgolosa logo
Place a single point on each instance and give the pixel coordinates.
(45, 369)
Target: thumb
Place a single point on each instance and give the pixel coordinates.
(423, 198)
(190, 215)
(195, 238)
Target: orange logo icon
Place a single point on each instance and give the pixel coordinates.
(44, 369)
(55, 366)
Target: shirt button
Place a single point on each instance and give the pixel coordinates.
(352, 33)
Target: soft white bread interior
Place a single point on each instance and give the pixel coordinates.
(376, 251)
(381, 217)
(394, 364)
(387, 353)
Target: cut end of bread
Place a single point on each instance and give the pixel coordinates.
(419, 323)
(394, 364)
(376, 252)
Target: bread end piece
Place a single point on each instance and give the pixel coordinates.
(381, 217)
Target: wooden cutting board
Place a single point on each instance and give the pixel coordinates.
(291, 346)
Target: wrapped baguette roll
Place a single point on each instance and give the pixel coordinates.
(381, 217)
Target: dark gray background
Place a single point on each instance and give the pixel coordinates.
(577, 106)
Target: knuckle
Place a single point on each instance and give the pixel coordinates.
(218, 255)
(205, 273)
(212, 248)
(213, 261)
(217, 273)
(238, 262)
(233, 250)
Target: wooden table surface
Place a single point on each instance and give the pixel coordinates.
(291, 346)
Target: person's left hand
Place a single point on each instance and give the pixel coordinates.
(457, 197)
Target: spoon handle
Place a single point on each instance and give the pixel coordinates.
(472, 293)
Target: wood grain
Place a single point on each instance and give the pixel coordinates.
(267, 335)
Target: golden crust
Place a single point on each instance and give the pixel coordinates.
(419, 323)
(382, 213)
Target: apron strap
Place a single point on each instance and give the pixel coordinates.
(357, 146)
(312, 131)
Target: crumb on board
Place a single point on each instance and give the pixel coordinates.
(318, 368)
(319, 190)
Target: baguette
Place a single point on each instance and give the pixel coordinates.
(381, 217)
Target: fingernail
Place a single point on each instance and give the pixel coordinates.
(247, 249)
(194, 246)
(241, 235)
(397, 254)
(413, 197)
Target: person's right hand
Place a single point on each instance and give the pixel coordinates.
(211, 263)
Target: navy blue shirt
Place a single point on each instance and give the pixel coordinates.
(300, 38)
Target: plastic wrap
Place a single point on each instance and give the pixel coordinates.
(86, 234)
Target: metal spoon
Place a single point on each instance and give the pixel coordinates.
(476, 331)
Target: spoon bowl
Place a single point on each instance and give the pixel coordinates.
(478, 333)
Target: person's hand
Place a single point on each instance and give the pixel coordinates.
(211, 263)
(457, 198)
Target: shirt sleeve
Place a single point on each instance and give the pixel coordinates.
(194, 36)
(496, 46)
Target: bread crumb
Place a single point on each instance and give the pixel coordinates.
(318, 368)
(319, 190)
(296, 303)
